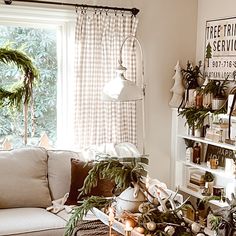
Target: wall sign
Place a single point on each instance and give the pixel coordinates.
(214, 152)
(220, 48)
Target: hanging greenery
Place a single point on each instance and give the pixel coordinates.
(80, 211)
(21, 90)
(122, 173)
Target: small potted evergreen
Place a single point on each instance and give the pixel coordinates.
(191, 76)
(195, 119)
(218, 89)
(209, 181)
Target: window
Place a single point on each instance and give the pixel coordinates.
(44, 36)
(48, 36)
(41, 45)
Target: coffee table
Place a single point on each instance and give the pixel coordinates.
(93, 227)
(117, 226)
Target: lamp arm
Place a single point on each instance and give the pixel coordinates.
(143, 82)
(141, 54)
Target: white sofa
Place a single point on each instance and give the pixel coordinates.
(30, 178)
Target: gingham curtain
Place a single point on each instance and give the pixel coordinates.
(98, 39)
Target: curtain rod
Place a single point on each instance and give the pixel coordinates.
(134, 11)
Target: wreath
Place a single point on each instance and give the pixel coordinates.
(20, 91)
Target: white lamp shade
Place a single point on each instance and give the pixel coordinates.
(120, 89)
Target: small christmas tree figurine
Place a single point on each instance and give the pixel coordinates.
(178, 88)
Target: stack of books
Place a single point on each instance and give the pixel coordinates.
(196, 180)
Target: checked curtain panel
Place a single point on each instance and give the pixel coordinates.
(99, 36)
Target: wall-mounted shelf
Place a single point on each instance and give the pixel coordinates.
(200, 196)
(220, 171)
(207, 141)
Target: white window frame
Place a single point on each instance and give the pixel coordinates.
(65, 21)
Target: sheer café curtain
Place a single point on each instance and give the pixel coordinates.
(98, 40)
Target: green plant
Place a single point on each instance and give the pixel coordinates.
(189, 142)
(215, 221)
(122, 173)
(191, 75)
(79, 212)
(217, 88)
(21, 89)
(208, 177)
(40, 45)
(194, 117)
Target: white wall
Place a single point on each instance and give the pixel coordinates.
(210, 10)
(167, 31)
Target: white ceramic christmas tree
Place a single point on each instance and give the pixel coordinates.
(178, 88)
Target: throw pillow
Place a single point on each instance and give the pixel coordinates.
(23, 178)
(59, 171)
(79, 171)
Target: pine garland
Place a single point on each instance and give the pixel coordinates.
(80, 211)
(21, 89)
(123, 174)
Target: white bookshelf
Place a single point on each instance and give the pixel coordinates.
(179, 166)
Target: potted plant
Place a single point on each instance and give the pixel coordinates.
(209, 88)
(218, 90)
(195, 119)
(209, 181)
(191, 76)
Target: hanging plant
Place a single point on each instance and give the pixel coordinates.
(21, 91)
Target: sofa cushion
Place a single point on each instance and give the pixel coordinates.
(79, 171)
(30, 221)
(59, 171)
(23, 178)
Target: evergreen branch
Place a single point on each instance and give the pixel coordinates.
(123, 174)
(21, 89)
(80, 211)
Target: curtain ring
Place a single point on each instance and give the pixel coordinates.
(85, 9)
(115, 11)
(76, 8)
(106, 11)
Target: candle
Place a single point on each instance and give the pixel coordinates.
(147, 182)
(111, 218)
(128, 229)
(111, 214)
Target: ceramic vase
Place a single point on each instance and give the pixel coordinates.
(129, 200)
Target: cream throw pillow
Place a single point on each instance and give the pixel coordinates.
(59, 171)
(23, 178)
